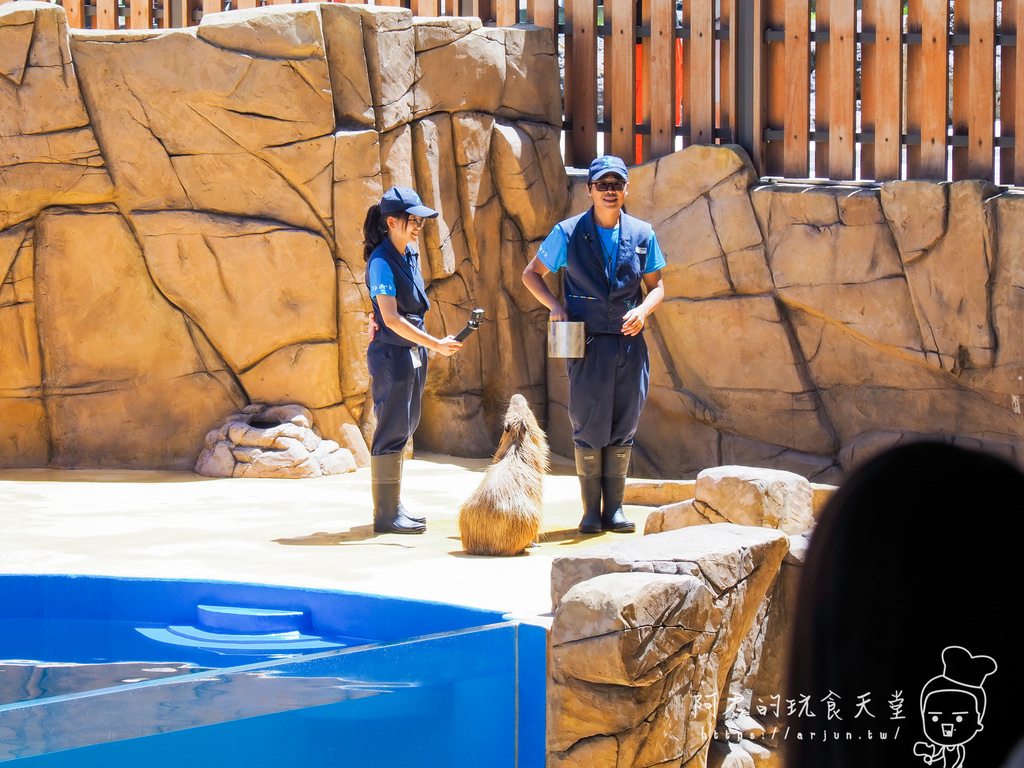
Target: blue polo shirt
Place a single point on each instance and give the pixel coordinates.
(380, 279)
(554, 250)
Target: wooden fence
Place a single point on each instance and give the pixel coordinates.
(846, 90)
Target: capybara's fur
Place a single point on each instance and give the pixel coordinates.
(502, 517)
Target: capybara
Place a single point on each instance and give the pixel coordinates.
(502, 517)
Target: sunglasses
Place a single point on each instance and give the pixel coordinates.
(609, 186)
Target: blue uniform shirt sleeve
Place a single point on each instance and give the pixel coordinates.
(380, 279)
(655, 258)
(554, 250)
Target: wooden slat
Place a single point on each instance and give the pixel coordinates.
(882, 91)
(797, 93)
(981, 90)
(506, 12)
(927, 84)
(842, 96)
(1011, 106)
(245, 3)
(425, 7)
(141, 14)
(543, 13)
(726, 103)
(658, 97)
(934, 87)
(581, 91)
(620, 77)
(702, 72)
(1018, 103)
(822, 89)
(773, 103)
(889, 84)
(212, 6)
(75, 12)
(106, 14)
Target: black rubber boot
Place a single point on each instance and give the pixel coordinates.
(588, 469)
(401, 507)
(386, 486)
(614, 465)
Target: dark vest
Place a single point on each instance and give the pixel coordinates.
(590, 296)
(411, 295)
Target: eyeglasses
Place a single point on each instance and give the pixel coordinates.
(609, 186)
(415, 221)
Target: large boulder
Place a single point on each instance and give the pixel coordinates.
(644, 639)
(755, 496)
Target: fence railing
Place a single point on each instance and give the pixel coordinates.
(844, 90)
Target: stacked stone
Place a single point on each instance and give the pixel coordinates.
(671, 649)
(278, 441)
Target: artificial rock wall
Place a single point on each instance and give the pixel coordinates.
(807, 327)
(181, 220)
(180, 227)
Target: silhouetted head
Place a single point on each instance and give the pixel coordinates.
(916, 552)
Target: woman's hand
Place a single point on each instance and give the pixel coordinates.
(448, 346)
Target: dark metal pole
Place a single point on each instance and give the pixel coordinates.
(745, 42)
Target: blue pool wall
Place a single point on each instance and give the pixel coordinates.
(441, 685)
(377, 618)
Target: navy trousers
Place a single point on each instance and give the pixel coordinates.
(607, 390)
(396, 387)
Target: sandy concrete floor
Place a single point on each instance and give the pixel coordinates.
(313, 533)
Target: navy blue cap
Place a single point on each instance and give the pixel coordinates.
(605, 165)
(405, 200)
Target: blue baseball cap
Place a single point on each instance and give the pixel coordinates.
(405, 200)
(605, 165)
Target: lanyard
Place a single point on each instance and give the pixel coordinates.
(609, 253)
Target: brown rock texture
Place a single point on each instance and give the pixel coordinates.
(181, 222)
(809, 326)
(180, 237)
(645, 641)
(754, 496)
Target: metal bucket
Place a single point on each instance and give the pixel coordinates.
(565, 339)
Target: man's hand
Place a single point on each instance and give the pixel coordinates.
(633, 321)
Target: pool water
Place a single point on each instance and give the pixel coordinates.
(252, 675)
